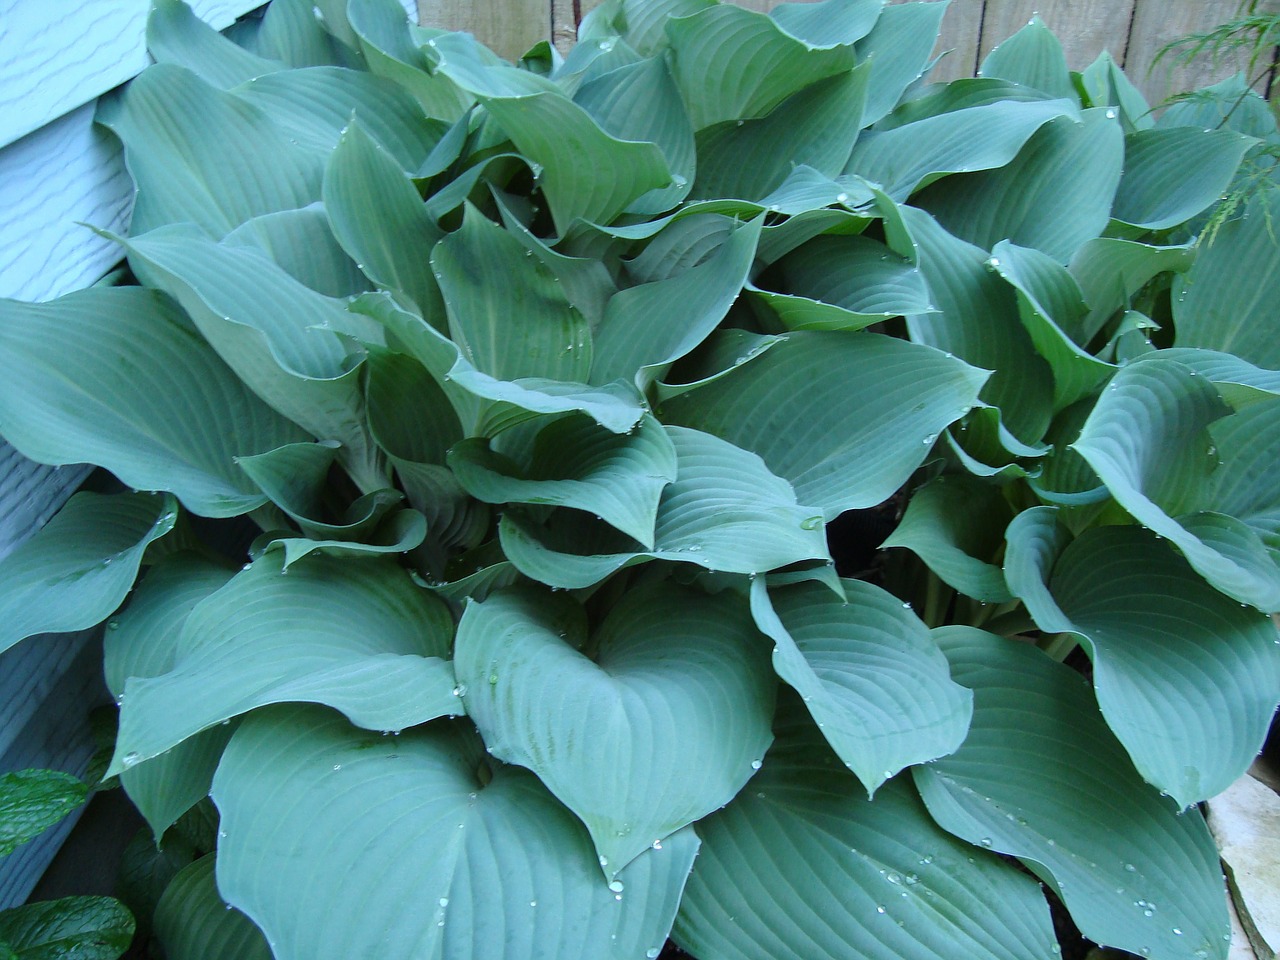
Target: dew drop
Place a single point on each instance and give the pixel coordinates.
(1130, 868)
(679, 181)
(533, 903)
(757, 764)
(879, 909)
(986, 841)
(657, 844)
(811, 523)
(616, 886)
(604, 861)
(130, 759)
(460, 690)
(1177, 932)
(337, 766)
(1111, 114)
(493, 679)
(652, 952)
(444, 901)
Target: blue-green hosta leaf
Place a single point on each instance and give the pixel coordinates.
(667, 721)
(640, 23)
(176, 35)
(409, 414)
(982, 137)
(1149, 882)
(1032, 57)
(1170, 175)
(1104, 84)
(1239, 382)
(360, 637)
(940, 98)
(487, 864)
(855, 281)
(654, 324)
(192, 922)
(1243, 487)
(1148, 439)
(1110, 271)
(381, 31)
(141, 642)
(86, 928)
(819, 124)
(116, 376)
(31, 801)
(291, 32)
(400, 532)
(868, 674)
(802, 864)
(575, 463)
(380, 220)
(615, 406)
(725, 511)
(640, 102)
(303, 245)
(976, 318)
(956, 526)
(1054, 195)
(828, 22)
(1230, 104)
(1065, 477)
(278, 335)
(1052, 309)
(1186, 677)
(1227, 300)
(80, 565)
(845, 417)
(197, 154)
(488, 277)
(315, 105)
(899, 48)
(736, 64)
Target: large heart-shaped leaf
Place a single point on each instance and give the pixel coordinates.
(1170, 175)
(486, 864)
(802, 864)
(1187, 678)
(845, 417)
(80, 565)
(725, 511)
(1148, 883)
(899, 47)
(867, 672)
(360, 637)
(302, 243)
(116, 376)
(176, 35)
(1032, 57)
(666, 723)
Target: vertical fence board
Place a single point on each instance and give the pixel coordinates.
(508, 27)
(1085, 27)
(1156, 23)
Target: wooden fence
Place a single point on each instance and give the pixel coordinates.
(57, 168)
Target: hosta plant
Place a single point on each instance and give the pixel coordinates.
(560, 409)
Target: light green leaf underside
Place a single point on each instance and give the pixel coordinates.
(31, 801)
(141, 642)
(1055, 195)
(617, 477)
(976, 318)
(801, 864)
(956, 526)
(486, 869)
(116, 376)
(867, 672)
(1149, 441)
(86, 928)
(80, 565)
(1170, 175)
(1227, 300)
(380, 220)
(732, 64)
(199, 155)
(1036, 777)
(845, 417)
(1186, 678)
(662, 728)
(193, 923)
(725, 511)
(981, 137)
(358, 637)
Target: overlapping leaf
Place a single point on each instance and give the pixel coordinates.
(484, 862)
(668, 718)
(193, 923)
(1040, 771)
(1186, 678)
